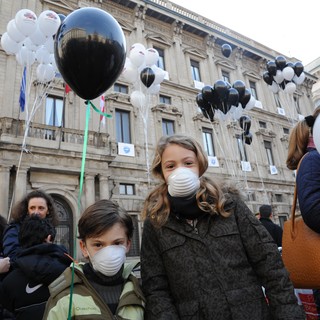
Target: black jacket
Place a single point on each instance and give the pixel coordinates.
(24, 291)
(275, 230)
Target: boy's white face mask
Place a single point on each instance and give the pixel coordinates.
(109, 260)
(183, 182)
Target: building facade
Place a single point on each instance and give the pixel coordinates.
(47, 152)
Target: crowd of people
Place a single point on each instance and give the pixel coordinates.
(204, 254)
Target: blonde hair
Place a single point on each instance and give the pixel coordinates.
(298, 141)
(210, 196)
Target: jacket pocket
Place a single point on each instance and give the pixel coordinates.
(189, 310)
(248, 303)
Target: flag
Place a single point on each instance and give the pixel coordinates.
(102, 108)
(67, 89)
(22, 97)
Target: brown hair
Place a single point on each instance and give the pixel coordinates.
(298, 141)
(210, 197)
(100, 217)
(20, 210)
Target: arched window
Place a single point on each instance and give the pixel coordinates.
(65, 228)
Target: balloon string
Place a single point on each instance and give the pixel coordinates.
(107, 115)
(84, 152)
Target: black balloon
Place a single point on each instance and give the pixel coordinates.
(226, 50)
(202, 103)
(147, 76)
(245, 98)
(240, 87)
(245, 123)
(247, 137)
(267, 78)
(272, 68)
(221, 89)
(281, 62)
(207, 93)
(298, 68)
(90, 51)
(232, 97)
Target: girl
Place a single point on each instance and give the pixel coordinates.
(204, 254)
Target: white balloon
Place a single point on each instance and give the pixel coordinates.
(152, 56)
(26, 21)
(274, 87)
(25, 57)
(298, 80)
(251, 103)
(130, 71)
(137, 54)
(290, 88)
(29, 44)
(49, 44)
(9, 45)
(288, 73)
(13, 31)
(159, 74)
(278, 78)
(45, 72)
(138, 99)
(154, 89)
(49, 22)
(43, 55)
(316, 133)
(38, 38)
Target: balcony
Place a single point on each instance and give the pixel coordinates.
(13, 131)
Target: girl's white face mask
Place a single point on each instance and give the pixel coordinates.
(183, 182)
(109, 260)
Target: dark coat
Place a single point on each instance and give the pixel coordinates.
(275, 230)
(11, 245)
(24, 290)
(308, 189)
(215, 271)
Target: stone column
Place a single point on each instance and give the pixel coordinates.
(104, 187)
(89, 190)
(4, 189)
(20, 184)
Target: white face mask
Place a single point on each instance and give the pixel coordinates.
(183, 182)
(109, 260)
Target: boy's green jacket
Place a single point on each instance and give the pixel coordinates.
(87, 304)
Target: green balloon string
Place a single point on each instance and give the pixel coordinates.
(84, 152)
(107, 115)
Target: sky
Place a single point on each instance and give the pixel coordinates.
(282, 25)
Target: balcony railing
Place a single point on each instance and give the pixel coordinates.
(14, 131)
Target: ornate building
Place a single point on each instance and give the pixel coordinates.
(48, 153)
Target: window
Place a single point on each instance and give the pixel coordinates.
(135, 243)
(241, 148)
(278, 197)
(167, 127)
(251, 196)
(277, 99)
(285, 130)
(282, 220)
(208, 141)
(121, 88)
(226, 76)
(296, 104)
(253, 89)
(164, 99)
(267, 145)
(54, 111)
(127, 189)
(195, 70)
(160, 63)
(262, 124)
(123, 126)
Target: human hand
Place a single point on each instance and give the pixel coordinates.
(4, 265)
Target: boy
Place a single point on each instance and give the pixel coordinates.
(105, 287)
